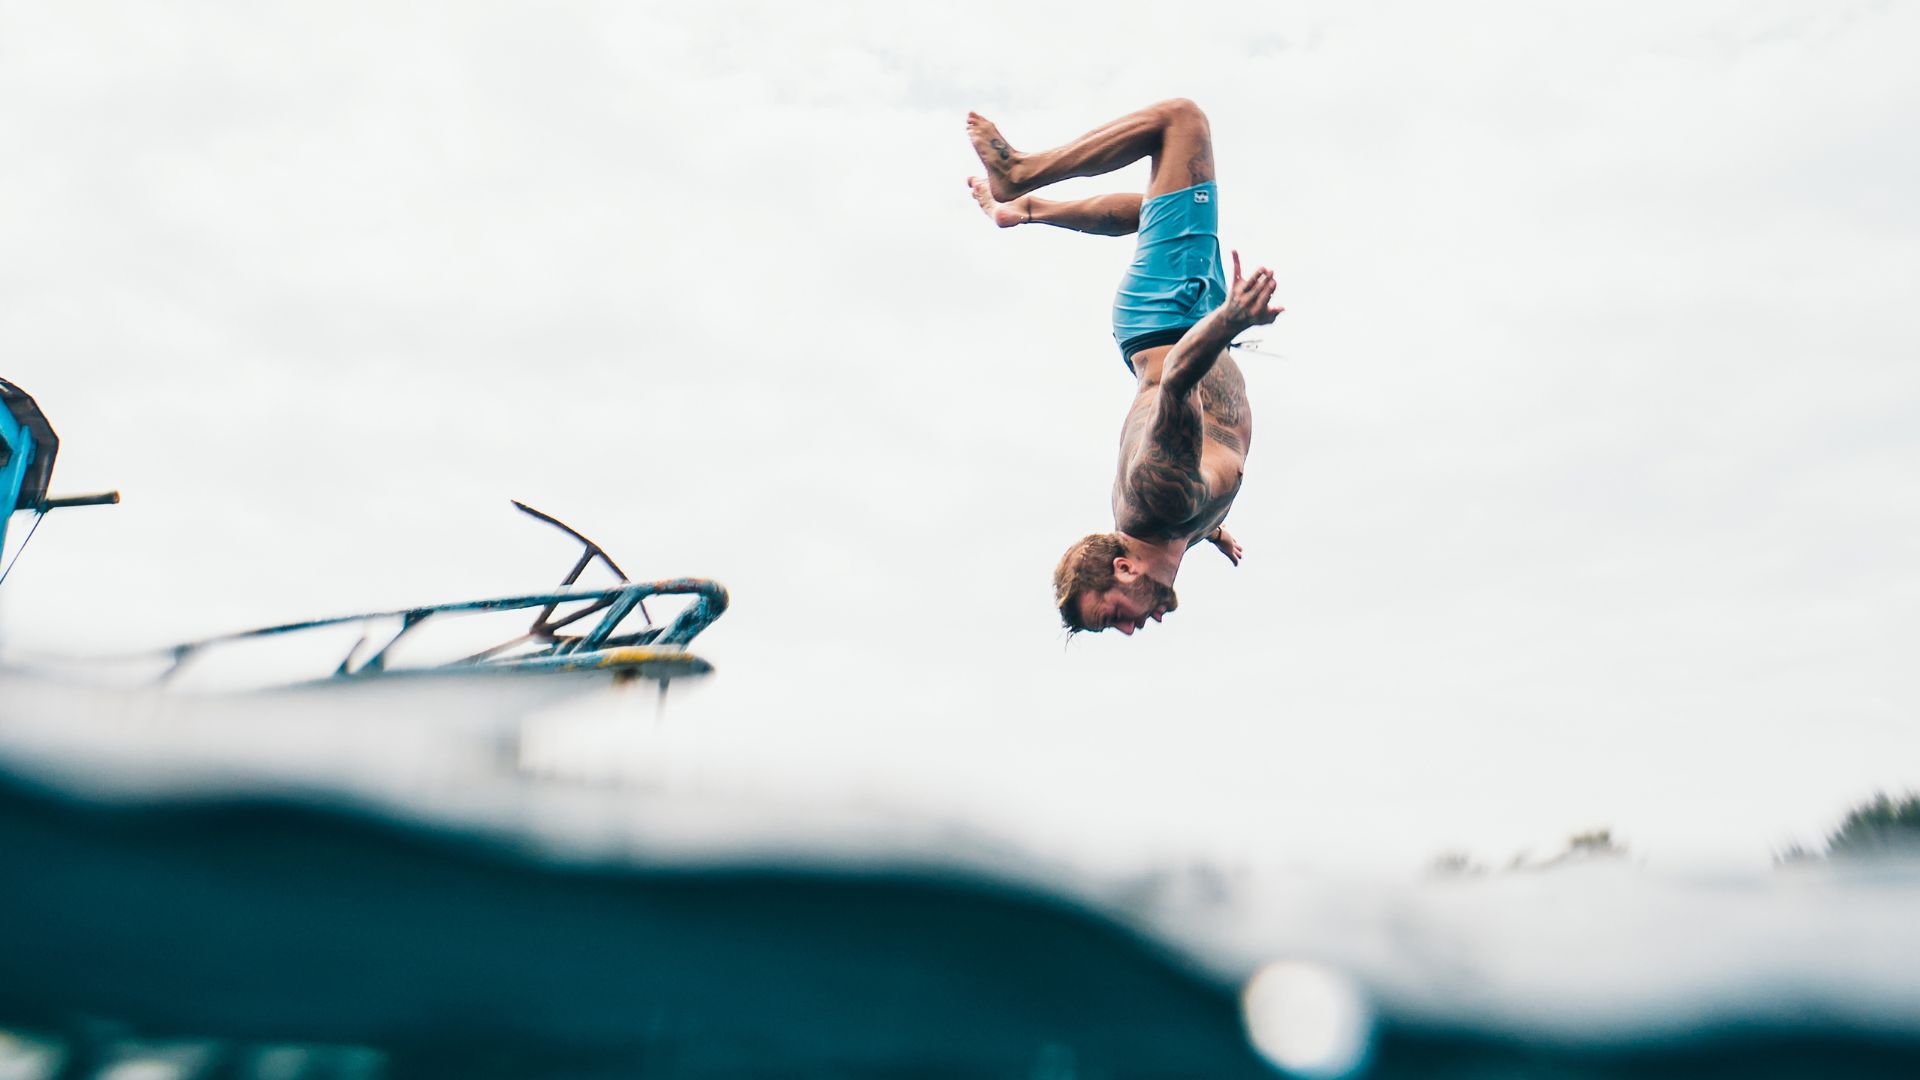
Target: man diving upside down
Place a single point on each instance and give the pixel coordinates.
(1183, 447)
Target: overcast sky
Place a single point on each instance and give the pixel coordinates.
(1583, 488)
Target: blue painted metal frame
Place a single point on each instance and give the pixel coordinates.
(617, 602)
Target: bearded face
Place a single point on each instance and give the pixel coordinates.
(1126, 606)
(1159, 598)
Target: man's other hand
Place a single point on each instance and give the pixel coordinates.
(1228, 546)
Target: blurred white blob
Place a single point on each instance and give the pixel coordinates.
(144, 1068)
(1307, 1020)
(26, 1057)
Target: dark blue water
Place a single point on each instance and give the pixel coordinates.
(255, 936)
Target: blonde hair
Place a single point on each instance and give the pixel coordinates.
(1086, 567)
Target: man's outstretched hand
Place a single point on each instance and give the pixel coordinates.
(1228, 546)
(1247, 299)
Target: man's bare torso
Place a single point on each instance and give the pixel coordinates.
(1150, 503)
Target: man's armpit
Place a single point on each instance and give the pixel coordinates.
(1223, 393)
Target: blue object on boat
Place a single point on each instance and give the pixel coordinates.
(27, 449)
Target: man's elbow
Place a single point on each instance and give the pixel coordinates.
(1187, 364)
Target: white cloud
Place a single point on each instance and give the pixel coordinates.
(1588, 460)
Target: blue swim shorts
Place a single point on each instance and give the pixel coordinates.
(1176, 276)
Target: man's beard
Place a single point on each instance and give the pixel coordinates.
(1155, 595)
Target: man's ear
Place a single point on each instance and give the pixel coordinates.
(1125, 570)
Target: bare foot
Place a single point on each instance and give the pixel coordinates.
(1000, 159)
(1004, 214)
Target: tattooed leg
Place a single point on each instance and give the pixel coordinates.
(1173, 133)
(1102, 215)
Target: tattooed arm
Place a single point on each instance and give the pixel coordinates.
(1165, 477)
(1195, 354)
(1165, 481)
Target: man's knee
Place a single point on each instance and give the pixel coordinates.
(1181, 112)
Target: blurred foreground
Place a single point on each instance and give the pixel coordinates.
(242, 888)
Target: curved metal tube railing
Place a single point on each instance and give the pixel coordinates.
(613, 605)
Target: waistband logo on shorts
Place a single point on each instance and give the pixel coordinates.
(1201, 196)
